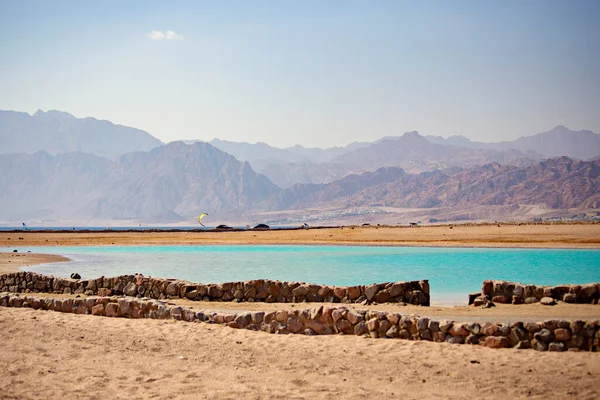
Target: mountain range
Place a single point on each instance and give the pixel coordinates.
(410, 151)
(170, 183)
(56, 167)
(59, 132)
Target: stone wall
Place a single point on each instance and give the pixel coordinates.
(323, 320)
(416, 292)
(518, 293)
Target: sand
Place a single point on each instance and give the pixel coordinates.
(504, 235)
(53, 355)
(14, 262)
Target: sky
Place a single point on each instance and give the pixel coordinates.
(315, 73)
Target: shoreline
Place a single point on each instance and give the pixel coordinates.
(14, 262)
(562, 236)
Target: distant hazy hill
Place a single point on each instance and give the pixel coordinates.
(169, 183)
(557, 142)
(410, 151)
(556, 183)
(59, 132)
(414, 152)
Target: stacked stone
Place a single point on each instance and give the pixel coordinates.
(518, 293)
(416, 292)
(324, 320)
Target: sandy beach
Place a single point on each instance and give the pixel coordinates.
(55, 355)
(486, 235)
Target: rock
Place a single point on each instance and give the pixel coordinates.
(293, 324)
(548, 301)
(496, 342)
(392, 332)
(373, 324)
(550, 324)
(474, 328)
(130, 289)
(98, 309)
(281, 316)
(384, 326)
(354, 292)
(532, 327)
(472, 339)
(489, 329)
(360, 328)
(75, 275)
(257, 317)
(176, 312)
(370, 291)
(531, 300)
(315, 326)
(340, 292)
(544, 336)
(524, 344)
(517, 335)
(458, 330)
(439, 336)
(455, 339)
(570, 298)
(504, 329)
(337, 314)
(393, 318)
(396, 290)
(425, 334)
(562, 334)
(301, 290)
(473, 296)
(500, 299)
(243, 319)
(191, 294)
(104, 292)
(382, 297)
(434, 326)
(112, 310)
(576, 327)
(445, 325)
(590, 291)
(404, 334)
(478, 302)
(354, 317)
(487, 287)
(344, 326)
(422, 323)
(315, 313)
(556, 346)
(539, 346)
(518, 300)
(172, 289)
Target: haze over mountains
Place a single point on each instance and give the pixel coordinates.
(56, 167)
(59, 132)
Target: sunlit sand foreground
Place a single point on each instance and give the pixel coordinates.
(54, 355)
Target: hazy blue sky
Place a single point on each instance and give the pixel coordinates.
(318, 73)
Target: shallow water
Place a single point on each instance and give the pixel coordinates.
(452, 272)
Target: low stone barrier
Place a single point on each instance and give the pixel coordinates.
(415, 292)
(549, 335)
(518, 293)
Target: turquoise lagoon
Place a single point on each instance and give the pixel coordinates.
(452, 272)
